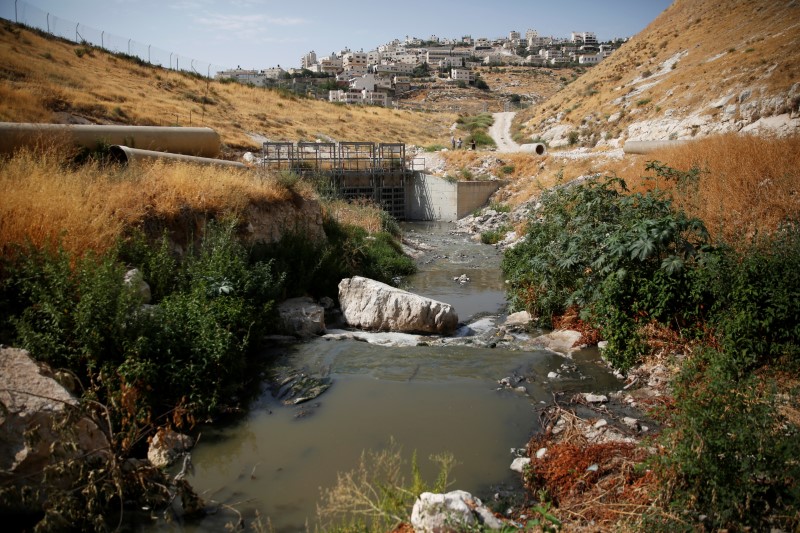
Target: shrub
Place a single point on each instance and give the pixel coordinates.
(757, 302)
(494, 236)
(191, 350)
(624, 259)
(732, 453)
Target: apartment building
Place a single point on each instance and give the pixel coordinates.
(463, 74)
(308, 60)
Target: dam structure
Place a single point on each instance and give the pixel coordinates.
(381, 173)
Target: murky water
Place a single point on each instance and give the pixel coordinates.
(429, 399)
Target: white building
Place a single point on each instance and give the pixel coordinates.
(308, 60)
(531, 34)
(590, 59)
(586, 38)
(463, 74)
(394, 68)
(274, 73)
(330, 65)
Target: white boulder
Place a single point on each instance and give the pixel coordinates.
(372, 305)
(455, 511)
(32, 407)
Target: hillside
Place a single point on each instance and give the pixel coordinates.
(702, 67)
(50, 80)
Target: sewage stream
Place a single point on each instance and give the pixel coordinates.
(426, 398)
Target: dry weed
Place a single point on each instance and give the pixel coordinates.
(597, 484)
(47, 200)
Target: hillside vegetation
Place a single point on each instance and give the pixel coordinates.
(50, 80)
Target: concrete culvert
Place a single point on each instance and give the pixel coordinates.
(536, 148)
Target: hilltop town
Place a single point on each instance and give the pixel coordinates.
(383, 75)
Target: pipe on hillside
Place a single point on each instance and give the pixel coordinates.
(126, 154)
(646, 147)
(537, 148)
(202, 142)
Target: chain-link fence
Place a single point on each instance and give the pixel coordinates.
(31, 16)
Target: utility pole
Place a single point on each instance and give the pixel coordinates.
(102, 41)
(15, 12)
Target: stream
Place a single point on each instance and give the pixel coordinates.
(427, 399)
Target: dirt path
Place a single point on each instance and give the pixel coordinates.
(501, 132)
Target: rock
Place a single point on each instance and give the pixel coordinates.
(463, 278)
(455, 511)
(298, 387)
(302, 317)
(32, 407)
(552, 375)
(560, 341)
(167, 446)
(600, 423)
(519, 464)
(541, 453)
(134, 278)
(372, 305)
(520, 319)
(631, 422)
(595, 398)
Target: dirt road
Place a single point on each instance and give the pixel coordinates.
(501, 132)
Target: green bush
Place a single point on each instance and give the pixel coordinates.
(757, 305)
(190, 350)
(494, 236)
(624, 259)
(732, 454)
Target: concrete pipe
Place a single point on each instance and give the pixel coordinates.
(203, 142)
(125, 155)
(536, 148)
(646, 147)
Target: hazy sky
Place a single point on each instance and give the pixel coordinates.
(265, 33)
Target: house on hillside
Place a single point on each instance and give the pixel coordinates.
(463, 74)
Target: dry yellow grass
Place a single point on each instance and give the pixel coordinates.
(45, 80)
(747, 183)
(46, 200)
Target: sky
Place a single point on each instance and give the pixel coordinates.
(257, 34)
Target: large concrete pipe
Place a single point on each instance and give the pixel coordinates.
(537, 148)
(125, 155)
(203, 142)
(646, 147)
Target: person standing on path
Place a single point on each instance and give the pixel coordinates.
(459, 143)
(473, 144)
(453, 141)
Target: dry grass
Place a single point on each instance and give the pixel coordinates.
(747, 183)
(46, 200)
(595, 485)
(44, 80)
(363, 214)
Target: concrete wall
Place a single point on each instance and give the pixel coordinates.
(432, 198)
